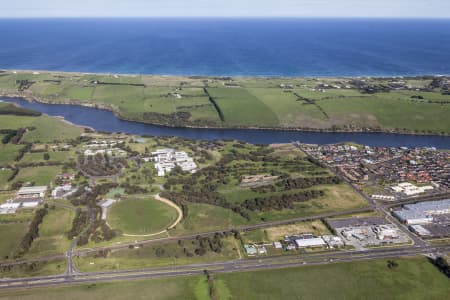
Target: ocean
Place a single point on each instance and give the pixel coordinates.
(228, 47)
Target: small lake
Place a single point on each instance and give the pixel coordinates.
(102, 120)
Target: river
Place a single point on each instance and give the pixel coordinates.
(102, 120)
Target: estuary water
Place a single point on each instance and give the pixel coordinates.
(103, 120)
(245, 47)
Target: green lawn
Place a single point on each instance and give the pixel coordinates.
(412, 279)
(175, 288)
(11, 235)
(141, 215)
(39, 175)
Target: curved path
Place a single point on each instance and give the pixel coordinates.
(178, 220)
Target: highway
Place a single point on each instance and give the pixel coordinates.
(73, 276)
(240, 265)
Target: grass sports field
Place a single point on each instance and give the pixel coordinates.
(414, 278)
(408, 104)
(141, 215)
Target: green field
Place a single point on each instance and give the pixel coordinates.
(314, 103)
(39, 175)
(205, 217)
(8, 153)
(4, 176)
(141, 215)
(45, 128)
(240, 108)
(11, 235)
(41, 268)
(55, 156)
(52, 233)
(412, 279)
(165, 254)
(188, 288)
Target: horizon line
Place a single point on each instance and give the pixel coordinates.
(230, 17)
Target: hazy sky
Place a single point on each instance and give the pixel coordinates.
(225, 8)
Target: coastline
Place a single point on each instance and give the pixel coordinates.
(237, 76)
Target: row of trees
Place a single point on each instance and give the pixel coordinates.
(304, 183)
(279, 202)
(33, 231)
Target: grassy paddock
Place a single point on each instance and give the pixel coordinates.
(247, 101)
(188, 288)
(52, 233)
(39, 175)
(158, 255)
(412, 279)
(11, 235)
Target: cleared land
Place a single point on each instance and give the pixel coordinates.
(407, 104)
(53, 233)
(173, 253)
(412, 279)
(42, 129)
(11, 234)
(8, 152)
(141, 215)
(39, 175)
(187, 288)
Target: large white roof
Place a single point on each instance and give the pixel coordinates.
(33, 189)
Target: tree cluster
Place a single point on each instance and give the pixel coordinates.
(33, 231)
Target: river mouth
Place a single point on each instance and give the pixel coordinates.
(102, 120)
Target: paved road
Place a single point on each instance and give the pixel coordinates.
(222, 267)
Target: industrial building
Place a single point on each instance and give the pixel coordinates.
(30, 197)
(422, 212)
(367, 232)
(427, 219)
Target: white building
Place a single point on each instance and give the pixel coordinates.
(105, 205)
(333, 241)
(419, 230)
(312, 242)
(32, 192)
(63, 191)
(166, 159)
(9, 207)
(410, 189)
(422, 212)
